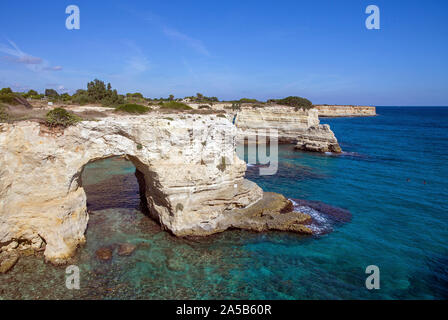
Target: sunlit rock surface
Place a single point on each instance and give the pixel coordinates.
(191, 175)
(345, 111)
(288, 125)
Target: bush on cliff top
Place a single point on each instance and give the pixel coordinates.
(61, 117)
(133, 108)
(296, 102)
(175, 106)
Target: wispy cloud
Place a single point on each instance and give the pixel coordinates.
(55, 68)
(137, 62)
(16, 55)
(174, 34)
(196, 44)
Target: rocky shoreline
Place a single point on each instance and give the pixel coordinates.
(188, 171)
(297, 126)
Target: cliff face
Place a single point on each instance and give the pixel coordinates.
(301, 127)
(188, 169)
(345, 111)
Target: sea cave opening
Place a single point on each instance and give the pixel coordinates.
(114, 183)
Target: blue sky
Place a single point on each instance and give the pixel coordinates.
(232, 49)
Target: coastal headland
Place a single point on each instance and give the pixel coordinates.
(189, 175)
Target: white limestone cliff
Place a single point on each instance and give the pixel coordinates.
(191, 175)
(298, 126)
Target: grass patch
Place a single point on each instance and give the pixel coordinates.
(61, 117)
(174, 105)
(132, 108)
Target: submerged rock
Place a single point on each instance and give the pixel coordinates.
(175, 264)
(8, 260)
(104, 254)
(126, 249)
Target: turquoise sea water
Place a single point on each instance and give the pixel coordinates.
(392, 178)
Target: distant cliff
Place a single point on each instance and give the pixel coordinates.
(297, 126)
(345, 111)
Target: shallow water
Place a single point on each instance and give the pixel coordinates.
(382, 202)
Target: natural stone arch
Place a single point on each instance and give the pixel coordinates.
(41, 195)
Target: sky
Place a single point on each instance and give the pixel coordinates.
(259, 49)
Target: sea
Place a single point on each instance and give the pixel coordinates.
(383, 202)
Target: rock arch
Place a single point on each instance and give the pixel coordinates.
(41, 195)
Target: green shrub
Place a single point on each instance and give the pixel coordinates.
(221, 116)
(179, 207)
(65, 97)
(175, 106)
(112, 99)
(236, 106)
(133, 108)
(296, 102)
(3, 115)
(246, 100)
(9, 98)
(222, 166)
(139, 146)
(169, 119)
(51, 93)
(204, 106)
(80, 98)
(134, 95)
(5, 91)
(61, 117)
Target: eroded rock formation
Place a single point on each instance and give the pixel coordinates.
(298, 126)
(318, 138)
(191, 174)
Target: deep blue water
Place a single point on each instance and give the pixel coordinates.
(392, 178)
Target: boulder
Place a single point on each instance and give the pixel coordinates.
(126, 249)
(8, 260)
(104, 254)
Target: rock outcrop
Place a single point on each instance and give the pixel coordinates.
(301, 127)
(345, 111)
(191, 175)
(319, 139)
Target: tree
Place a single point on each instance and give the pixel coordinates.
(113, 99)
(65, 97)
(32, 93)
(96, 90)
(51, 93)
(171, 97)
(5, 91)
